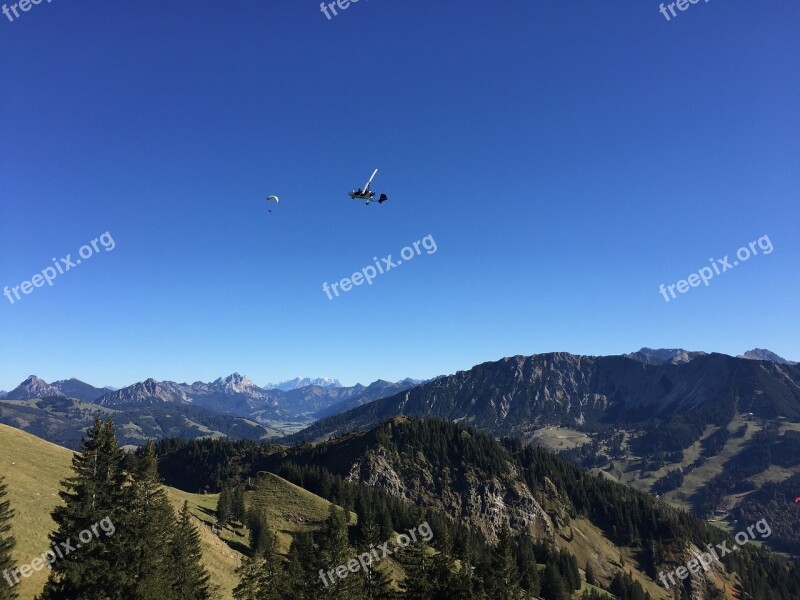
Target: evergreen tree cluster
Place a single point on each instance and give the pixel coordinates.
(264, 575)
(458, 562)
(766, 448)
(7, 542)
(204, 465)
(775, 503)
(430, 571)
(146, 553)
(625, 588)
(655, 532)
(671, 481)
(230, 505)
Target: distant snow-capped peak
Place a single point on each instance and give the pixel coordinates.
(300, 382)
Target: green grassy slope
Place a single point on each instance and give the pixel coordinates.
(34, 468)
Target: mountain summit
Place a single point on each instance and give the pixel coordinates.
(650, 356)
(301, 382)
(75, 388)
(768, 355)
(145, 393)
(33, 387)
(235, 384)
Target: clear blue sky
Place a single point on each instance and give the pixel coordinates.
(567, 158)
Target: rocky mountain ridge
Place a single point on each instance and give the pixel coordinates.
(234, 395)
(516, 395)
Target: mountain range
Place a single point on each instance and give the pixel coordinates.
(151, 391)
(514, 396)
(518, 395)
(33, 387)
(703, 430)
(237, 395)
(228, 406)
(716, 435)
(300, 382)
(234, 394)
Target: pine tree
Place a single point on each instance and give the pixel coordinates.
(190, 580)
(7, 591)
(553, 586)
(386, 523)
(590, 578)
(466, 583)
(151, 529)
(504, 581)
(305, 575)
(443, 566)
(376, 585)
(261, 575)
(568, 567)
(263, 541)
(526, 562)
(252, 579)
(238, 510)
(298, 579)
(418, 566)
(94, 496)
(335, 551)
(224, 506)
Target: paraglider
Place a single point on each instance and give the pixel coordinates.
(271, 198)
(367, 194)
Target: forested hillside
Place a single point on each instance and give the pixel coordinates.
(404, 468)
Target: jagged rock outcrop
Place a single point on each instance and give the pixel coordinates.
(486, 502)
(33, 387)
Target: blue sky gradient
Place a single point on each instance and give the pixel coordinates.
(567, 158)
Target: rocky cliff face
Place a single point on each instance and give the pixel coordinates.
(146, 393)
(485, 501)
(516, 395)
